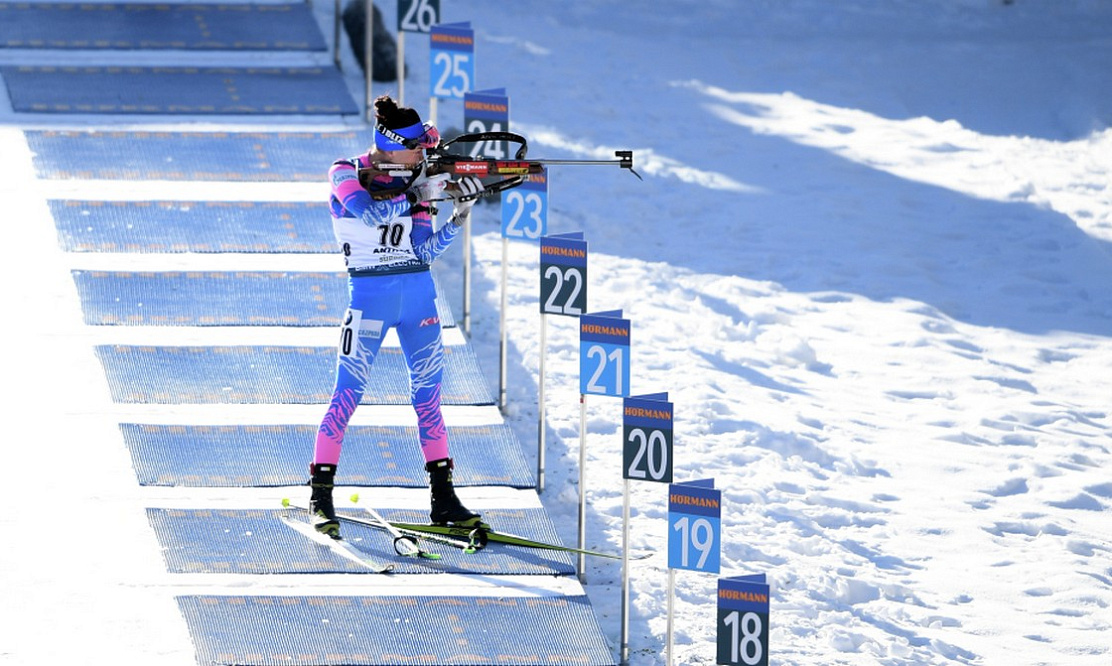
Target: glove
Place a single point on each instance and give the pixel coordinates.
(464, 194)
(426, 187)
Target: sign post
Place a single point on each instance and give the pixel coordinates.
(603, 370)
(413, 16)
(646, 456)
(694, 535)
(488, 110)
(563, 292)
(451, 62)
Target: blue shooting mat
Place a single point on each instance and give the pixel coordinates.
(215, 298)
(194, 226)
(272, 375)
(257, 630)
(178, 90)
(224, 27)
(255, 541)
(206, 156)
(213, 456)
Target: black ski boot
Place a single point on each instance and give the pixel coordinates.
(446, 507)
(321, 512)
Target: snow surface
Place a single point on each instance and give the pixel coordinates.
(869, 263)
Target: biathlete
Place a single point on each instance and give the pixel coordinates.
(388, 247)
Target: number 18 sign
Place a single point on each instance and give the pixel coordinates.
(743, 620)
(694, 526)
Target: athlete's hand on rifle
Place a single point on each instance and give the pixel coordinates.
(426, 187)
(464, 194)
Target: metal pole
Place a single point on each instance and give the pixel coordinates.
(467, 276)
(401, 68)
(336, 36)
(671, 606)
(540, 407)
(582, 561)
(368, 64)
(502, 329)
(625, 573)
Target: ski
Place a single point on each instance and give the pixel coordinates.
(405, 541)
(340, 547)
(482, 534)
(468, 546)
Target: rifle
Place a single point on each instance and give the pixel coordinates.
(440, 160)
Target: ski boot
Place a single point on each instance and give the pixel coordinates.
(446, 507)
(321, 512)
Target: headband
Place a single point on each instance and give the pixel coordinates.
(404, 138)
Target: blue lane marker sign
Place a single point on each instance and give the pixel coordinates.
(694, 526)
(451, 60)
(564, 274)
(525, 210)
(604, 354)
(647, 433)
(743, 620)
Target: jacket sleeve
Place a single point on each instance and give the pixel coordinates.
(427, 244)
(344, 179)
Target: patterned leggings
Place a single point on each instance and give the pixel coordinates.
(406, 302)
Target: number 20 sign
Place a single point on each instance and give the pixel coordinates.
(647, 428)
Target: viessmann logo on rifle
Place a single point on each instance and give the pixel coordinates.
(472, 168)
(439, 160)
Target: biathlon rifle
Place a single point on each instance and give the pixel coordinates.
(511, 173)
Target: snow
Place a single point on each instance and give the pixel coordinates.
(869, 264)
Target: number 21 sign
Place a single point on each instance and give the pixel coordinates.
(604, 354)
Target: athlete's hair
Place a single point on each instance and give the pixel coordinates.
(391, 116)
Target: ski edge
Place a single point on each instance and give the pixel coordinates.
(390, 529)
(501, 537)
(340, 547)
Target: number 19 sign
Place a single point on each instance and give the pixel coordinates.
(695, 526)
